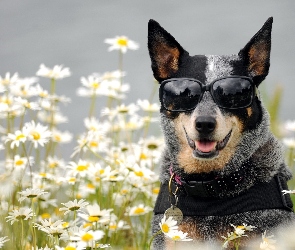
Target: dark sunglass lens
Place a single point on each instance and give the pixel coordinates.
(180, 95)
(233, 92)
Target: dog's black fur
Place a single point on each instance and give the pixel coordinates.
(251, 147)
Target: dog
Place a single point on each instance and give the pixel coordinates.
(221, 165)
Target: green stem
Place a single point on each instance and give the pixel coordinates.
(53, 86)
(92, 105)
(152, 238)
(22, 233)
(32, 226)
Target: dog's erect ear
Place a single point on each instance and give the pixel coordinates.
(165, 51)
(256, 53)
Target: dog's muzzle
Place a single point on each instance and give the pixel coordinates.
(206, 148)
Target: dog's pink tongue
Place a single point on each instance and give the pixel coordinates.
(205, 146)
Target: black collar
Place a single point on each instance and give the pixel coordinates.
(264, 195)
(213, 186)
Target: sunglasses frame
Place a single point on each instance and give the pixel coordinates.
(207, 87)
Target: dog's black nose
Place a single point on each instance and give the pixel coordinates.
(205, 124)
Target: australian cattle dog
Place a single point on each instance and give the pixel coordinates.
(221, 164)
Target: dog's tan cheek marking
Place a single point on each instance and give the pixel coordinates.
(249, 111)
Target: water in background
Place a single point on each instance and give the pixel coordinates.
(71, 32)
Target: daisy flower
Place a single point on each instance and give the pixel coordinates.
(26, 104)
(9, 80)
(92, 85)
(19, 162)
(69, 246)
(120, 110)
(145, 105)
(87, 238)
(121, 43)
(24, 88)
(116, 89)
(31, 193)
(53, 162)
(23, 213)
(3, 240)
(139, 210)
(73, 205)
(42, 93)
(178, 236)
(51, 228)
(38, 133)
(168, 225)
(239, 231)
(17, 137)
(58, 72)
(113, 75)
(93, 213)
(61, 137)
(230, 237)
(80, 168)
(267, 242)
(120, 225)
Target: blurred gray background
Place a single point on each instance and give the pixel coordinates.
(72, 33)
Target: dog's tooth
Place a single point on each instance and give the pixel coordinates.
(191, 143)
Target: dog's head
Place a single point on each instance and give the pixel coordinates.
(202, 129)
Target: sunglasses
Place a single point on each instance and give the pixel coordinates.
(184, 94)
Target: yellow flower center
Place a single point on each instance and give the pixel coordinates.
(42, 175)
(19, 137)
(35, 135)
(138, 173)
(82, 168)
(241, 227)
(95, 85)
(87, 224)
(156, 190)
(122, 41)
(175, 237)
(87, 237)
(93, 218)
(124, 191)
(45, 216)
(5, 82)
(57, 138)
(139, 210)
(165, 228)
(70, 248)
(143, 156)
(101, 171)
(19, 162)
(90, 186)
(113, 227)
(72, 179)
(65, 224)
(93, 144)
(53, 165)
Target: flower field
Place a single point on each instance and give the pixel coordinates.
(100, 196)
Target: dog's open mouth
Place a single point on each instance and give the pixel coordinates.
(205, 148)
